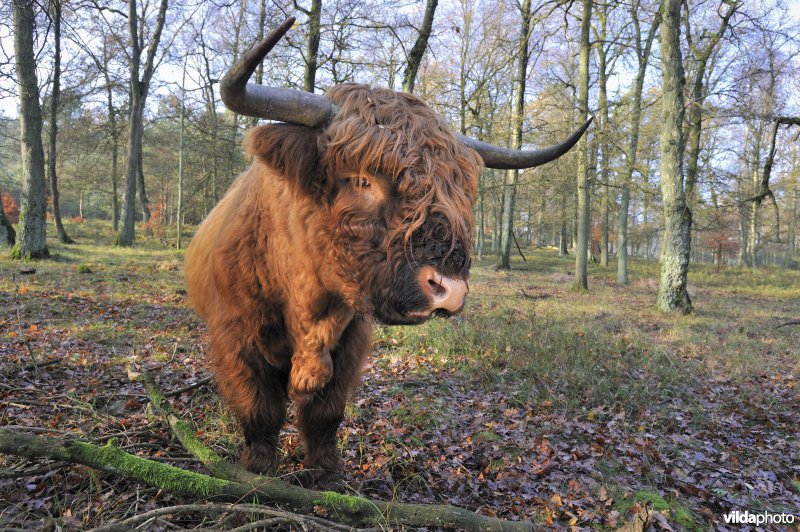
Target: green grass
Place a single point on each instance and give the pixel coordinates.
(593, 356)
(672, 510)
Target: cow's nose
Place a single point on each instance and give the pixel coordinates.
(443, 292)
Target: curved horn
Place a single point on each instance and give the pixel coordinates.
(505, 158)
(271, 103)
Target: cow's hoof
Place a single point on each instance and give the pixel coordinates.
(320, 479)
(260, 459)
(309, 377)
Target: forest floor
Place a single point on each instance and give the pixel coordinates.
(539, 401)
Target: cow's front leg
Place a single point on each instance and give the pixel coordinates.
(316, 331)
(319, 418)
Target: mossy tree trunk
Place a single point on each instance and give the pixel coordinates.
(32, 243)
(672, 293)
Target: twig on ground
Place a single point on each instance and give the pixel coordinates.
(278, 515)
(40, 470)
(189, 387)
(788, 323)
(533, 296)
(44, 363)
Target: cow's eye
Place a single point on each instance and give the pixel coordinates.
(360, 181)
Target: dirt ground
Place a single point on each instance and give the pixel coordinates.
(539, 402)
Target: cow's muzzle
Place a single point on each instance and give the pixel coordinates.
(445, 294)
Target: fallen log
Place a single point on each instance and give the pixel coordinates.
(346, 509)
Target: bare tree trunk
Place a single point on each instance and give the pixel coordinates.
(312, 45)
(259, 76)
(481, 236)
(795, 213)
(7, 234)
(753, 233)
(138, 95)
(540, 221)
(141, 188)
(421, 44)
(605, 145)
(181, 155)
(583, 234)
(622, 234)
(55, 8)
(114, 173)
(562, 239)
(517, 117)
(32, 242)
(672, 293)
(643, 55)
(497, 221)
(697, 96)
(114, 132)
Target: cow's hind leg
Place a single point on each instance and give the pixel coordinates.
(256, 392)
(319, 417)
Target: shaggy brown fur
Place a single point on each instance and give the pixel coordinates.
(322, 234)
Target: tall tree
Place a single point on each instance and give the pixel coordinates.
(259, 76)
(583, 229)
(103, 64)
(701, 53)
(55, 95)
(140, 187)
(181, 155)
(517, 117)
(138, 97)
(32, 242)
(642, 50)
(420, 45)
(114, 132)
(602, 48)
(672, 293)
(314, 15)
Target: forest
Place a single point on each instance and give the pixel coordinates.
(628, 356)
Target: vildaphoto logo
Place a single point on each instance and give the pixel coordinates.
(763, 518)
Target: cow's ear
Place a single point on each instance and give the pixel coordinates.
(291, 150)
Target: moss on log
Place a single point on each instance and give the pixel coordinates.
(350, 510)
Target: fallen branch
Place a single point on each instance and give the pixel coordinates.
(186, 435)
(350, 510)
(189, 387)
(208, 508)
(788, 323)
